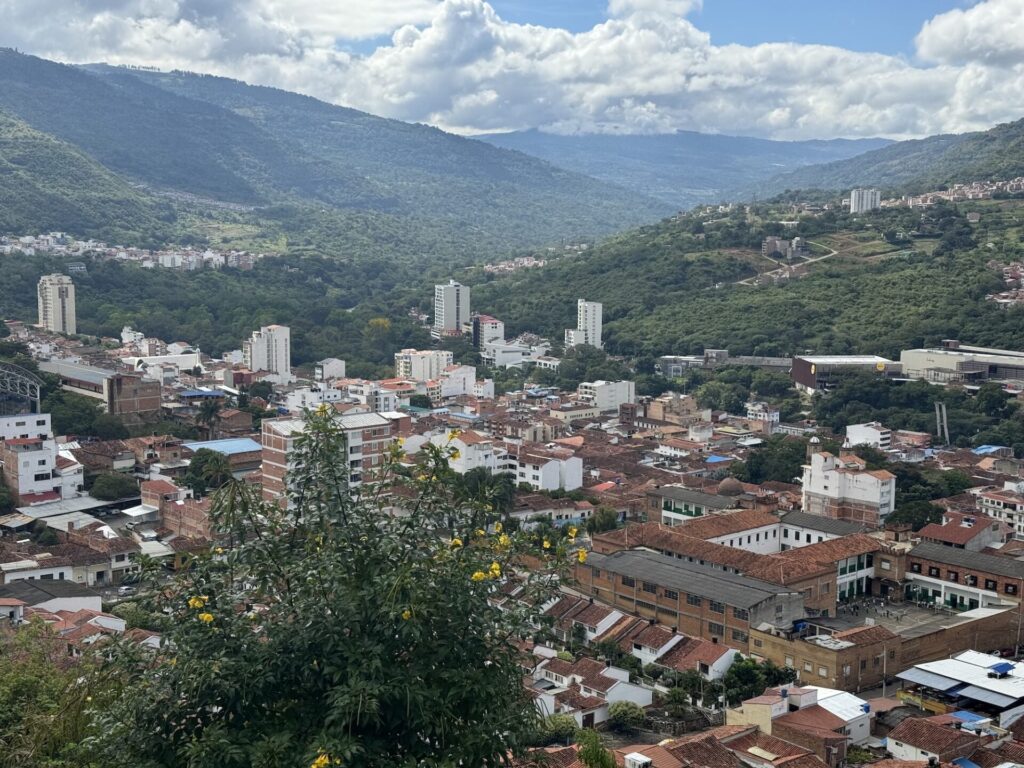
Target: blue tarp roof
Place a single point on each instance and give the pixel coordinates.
(200, 393)
(228, 446)
(963, 762)
(713, 459)
(968, 717)
(985, 450)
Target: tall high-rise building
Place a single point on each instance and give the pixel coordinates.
(57, 304)
(588, 325)
(451, 308)
(270, 349)
(862, 200)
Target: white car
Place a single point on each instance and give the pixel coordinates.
(126, 590)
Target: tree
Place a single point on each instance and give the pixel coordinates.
(603, 519)
(592, 752)
(209, 413)
(420, 401)
(112, 486)
(678, 702)
(261, 389)
(330, 630)
(557, 729)
(207, 470)
(625, 717)
(917, 514)
(744, 680)
(108, 427)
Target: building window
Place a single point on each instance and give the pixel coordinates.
(789, 662)
(693, 600)
(863, 664)
(822, 671)
(933, 571)
(886, 565)
(671, 594)
(808, 667)
(641, 605)
(952, 576)
(915, 567)
(715, 607)
(715, 628)
(757, 643)
(646, 586)
(627, 581)
(990, 585)
(1010, 589)
(741, 613)
(740, 637)
(785, 533)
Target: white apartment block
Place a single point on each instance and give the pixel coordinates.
(607, 395)
(371, 394)
(842, 487)
(270, 349)
(543, 469)
(485, 330)
(872, 433)
(763, 413)
(313, 397)
(862, 200)
(1006, 505)
(25, 425)
(329, 368)
(56, 302)
(588, 325)
(422, 365)
(451, 308)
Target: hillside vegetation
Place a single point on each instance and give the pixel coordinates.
(47, 185)
(916, 166)
(221, 140)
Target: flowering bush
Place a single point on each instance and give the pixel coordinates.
(346, 629)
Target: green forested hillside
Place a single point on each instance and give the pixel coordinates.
(223, 140)
(48, 185)
(918, 165)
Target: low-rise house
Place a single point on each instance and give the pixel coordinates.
(973, 533)
(584, 689)
(52, 595)
(919, 738)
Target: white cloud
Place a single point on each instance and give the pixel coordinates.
(647, 68)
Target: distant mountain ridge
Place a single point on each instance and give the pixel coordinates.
(915, 166)
(683, 168)
(224, 140)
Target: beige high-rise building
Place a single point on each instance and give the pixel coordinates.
(57, 304)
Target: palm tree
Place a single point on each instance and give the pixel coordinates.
(209, 414)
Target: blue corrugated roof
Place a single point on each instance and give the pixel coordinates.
(968, 717)
(713, 459)
(228, 447)
(200, 393)
(985, 450)
(963, 762)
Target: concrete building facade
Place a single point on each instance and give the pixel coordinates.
(56, 303)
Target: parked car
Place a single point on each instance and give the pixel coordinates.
(125, 591)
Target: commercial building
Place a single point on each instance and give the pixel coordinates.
(588, 325)
(607, 396)
(843, 487)
(487, 330)
(368, 436)
(819, 373)
(56, 302)
(862, 200)
(270, 349)
(422, 365)
(698, 600)
(127, 395)
(676, 504)
(962, 579)
(451, 308)
(329, 368)
(1006, 505)
(956, 363)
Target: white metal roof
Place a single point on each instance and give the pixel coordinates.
(843, 705)
(973, 668)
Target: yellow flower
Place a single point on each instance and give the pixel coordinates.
(456, 454)
(88, 698)
(547, 544)
(581, 555)
(322, 761)
(572, 531)
(196, 602)
(400, 441)
(453, 434)
(478, 576)
(421, 476)
(481, 532)
(456, 542)
(497, 527)
(206, 618)
(406, 614)
(495, 570)
(219, 550)
(504, 541)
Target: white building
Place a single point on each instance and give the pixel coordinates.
(862, 200)
(329, 368)
(422, 365)
(457, 380)
(371, 394)
(485, 330)
(304, 398)
(543, 469)
(56, 301)
(270, 349)
(872, 433)
(24, 425)
(764, 414)
(451, 308)
(842, 487)
(588, 325)
(607, 395)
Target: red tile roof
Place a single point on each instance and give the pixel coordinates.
(931, 737)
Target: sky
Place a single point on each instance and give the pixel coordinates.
(784, 69)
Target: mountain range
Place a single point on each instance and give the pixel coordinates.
(682, 168)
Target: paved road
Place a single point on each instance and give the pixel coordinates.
(783, 268)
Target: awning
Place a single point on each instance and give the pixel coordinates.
(989, 697)
(928, 679)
